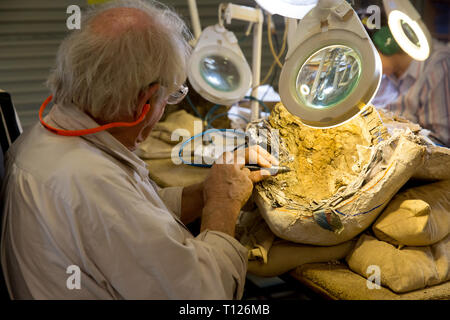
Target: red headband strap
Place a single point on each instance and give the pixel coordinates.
(92, 130)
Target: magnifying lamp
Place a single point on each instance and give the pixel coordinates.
(217, 68)
(332, 68)
(408, 28)
(296, 9)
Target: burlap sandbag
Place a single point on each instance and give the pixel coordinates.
(402, 270)
(416, 217)
(269, 256)
(436, 165)
(284, 256)
(354, 207)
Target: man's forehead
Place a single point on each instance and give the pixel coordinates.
(118, 20)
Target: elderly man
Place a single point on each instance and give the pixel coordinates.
(82, 220)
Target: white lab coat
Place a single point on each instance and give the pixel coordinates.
(87, 201)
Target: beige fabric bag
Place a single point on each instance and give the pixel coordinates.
(270, 256)
(416, 217)
(177, 120)
(402, 270)
(159, 144)
(284, 256)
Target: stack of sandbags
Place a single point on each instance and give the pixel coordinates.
(411, 246)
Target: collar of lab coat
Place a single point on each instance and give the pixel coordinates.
(69, 117)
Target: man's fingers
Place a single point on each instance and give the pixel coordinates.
(251, 155)
(266, 155)
(256, 158)
(257, 155)
(259, 175)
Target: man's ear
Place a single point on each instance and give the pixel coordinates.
(146, 95)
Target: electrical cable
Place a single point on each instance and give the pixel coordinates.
(211, 111)
(281, 52)
(275, 55)
(215, 107)
(260, 102)
(183, 145)
(193, 107)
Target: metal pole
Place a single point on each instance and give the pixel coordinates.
(195, 19)
(256, 64)
(292, 28)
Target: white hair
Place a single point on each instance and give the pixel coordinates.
(103, 76)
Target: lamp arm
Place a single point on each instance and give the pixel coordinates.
(256, 65)
(244, 13)
(292, 25)
(195, 18)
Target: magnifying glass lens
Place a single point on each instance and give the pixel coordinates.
(220, 73)
(409, 32)
(328, 76)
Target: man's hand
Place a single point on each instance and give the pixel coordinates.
(229, 186)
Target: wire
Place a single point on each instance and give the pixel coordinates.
(83, 132)
(275, 74)
(283, 48)
(275, 55)
(216, 106)
(211, 111)
(183, 145)
(260, 102)
(193, 107)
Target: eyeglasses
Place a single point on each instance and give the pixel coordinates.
(177, 96)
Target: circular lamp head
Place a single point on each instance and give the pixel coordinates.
(407, 27)
(217, 68)
(410, 35)
(296, 9)
(331, 74)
